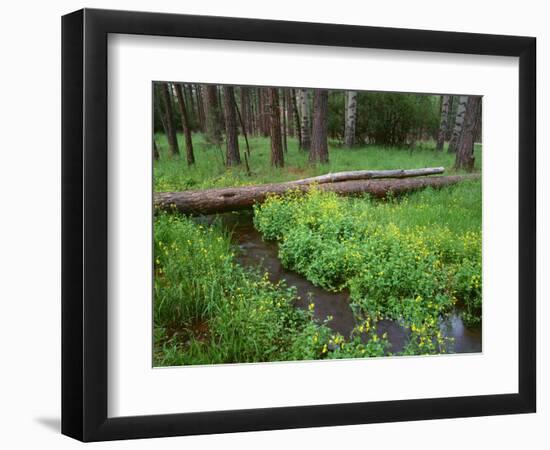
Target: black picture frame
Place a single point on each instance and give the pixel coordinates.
(84, 224)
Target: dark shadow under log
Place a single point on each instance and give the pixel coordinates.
(211, 201)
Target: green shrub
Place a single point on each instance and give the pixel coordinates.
(407, 259)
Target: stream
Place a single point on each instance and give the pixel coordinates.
(254, 252)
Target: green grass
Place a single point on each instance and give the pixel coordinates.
(410, 259)
(210, 310)
(173, 174)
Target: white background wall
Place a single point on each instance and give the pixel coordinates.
(30, 222)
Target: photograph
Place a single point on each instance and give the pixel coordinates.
(297, 224)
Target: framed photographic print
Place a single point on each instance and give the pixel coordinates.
(273, 224)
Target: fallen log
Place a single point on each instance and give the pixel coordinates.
(211, 201)
(370, 174)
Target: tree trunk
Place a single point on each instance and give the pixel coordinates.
(158, 110)
(245, 135)
(297, 120)
(200, 108)
(289, 113)
(233, 157)
(351, 118)
(319, 145)
(277, 157)
(452, 115)
(190, 103)
(443, 122)
(305, 119)
(220, 107)
(283, 120)
(169, 119)
(155, 149)
(185, 125)
(213, 119)
(245, 109)
(465, 148)
(210, 201)
(264, 115)
(459, 123)
(477, 134)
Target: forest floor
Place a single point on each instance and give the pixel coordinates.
(173, 174)
(411, 260)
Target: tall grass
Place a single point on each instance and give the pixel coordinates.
(210, 310)
(172, 173)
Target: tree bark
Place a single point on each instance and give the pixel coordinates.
(370, 174)
(459, 123)
(277, 156)
(213, 119)
(190, 103)
(351, 118)
(319, 144)
(283, 120)
(245, 135)
(477, 133)
(289, 112)
(297, 120)
(200, 108)
(159, 110)
(155, 150)
(452, 115)
(264, 114)
(465, 148)
(211, 201)
(443, 122)
(245, 109)
(185, 125)
(233, 157)
(169, 119)
(305, 119)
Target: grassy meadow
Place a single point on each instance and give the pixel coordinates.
(411, 259)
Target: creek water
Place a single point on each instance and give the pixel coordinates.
(254, 252)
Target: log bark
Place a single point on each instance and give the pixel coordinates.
(370, 174)
(211, 201)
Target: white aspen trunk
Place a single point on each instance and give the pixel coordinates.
(351, 118)
(459, 123)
